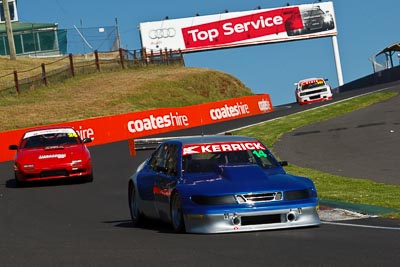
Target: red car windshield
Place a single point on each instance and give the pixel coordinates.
(51, 139)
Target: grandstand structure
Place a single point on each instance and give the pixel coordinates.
(46, 39)
(30, 38)
(385, 58)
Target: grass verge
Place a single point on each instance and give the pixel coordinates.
(112, 93)
(333, 187)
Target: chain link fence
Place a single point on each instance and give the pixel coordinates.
(87, 40)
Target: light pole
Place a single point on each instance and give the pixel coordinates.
(10, 35)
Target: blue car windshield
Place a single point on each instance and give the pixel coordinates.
(208, 162)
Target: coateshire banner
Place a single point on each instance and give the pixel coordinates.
(109, 129)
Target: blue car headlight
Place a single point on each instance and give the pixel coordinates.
(213, 200)
(300, 194)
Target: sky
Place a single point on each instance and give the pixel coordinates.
(364, 28)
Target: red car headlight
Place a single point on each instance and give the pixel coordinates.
(28, 167)
(76, 163)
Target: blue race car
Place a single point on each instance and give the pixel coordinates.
(218, 184)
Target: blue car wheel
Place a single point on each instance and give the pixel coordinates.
(176, 214)
(136, 216)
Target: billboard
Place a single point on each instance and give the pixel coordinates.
(240, 28)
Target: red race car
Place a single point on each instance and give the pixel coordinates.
(52, 153)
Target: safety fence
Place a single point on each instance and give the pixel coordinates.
(65, 67)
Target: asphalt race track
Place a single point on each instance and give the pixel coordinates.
(88, 224)
(361, 144)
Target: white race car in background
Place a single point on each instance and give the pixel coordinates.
(312, 90)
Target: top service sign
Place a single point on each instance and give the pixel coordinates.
(240, 28)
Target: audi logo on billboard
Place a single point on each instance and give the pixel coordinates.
(162, 33)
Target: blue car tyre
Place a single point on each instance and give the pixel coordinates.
(136, 216)
(176, 214)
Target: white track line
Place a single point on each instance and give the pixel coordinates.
(363, 226)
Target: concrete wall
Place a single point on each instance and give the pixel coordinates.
(377, 78)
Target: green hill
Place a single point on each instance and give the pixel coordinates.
(110, 93)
